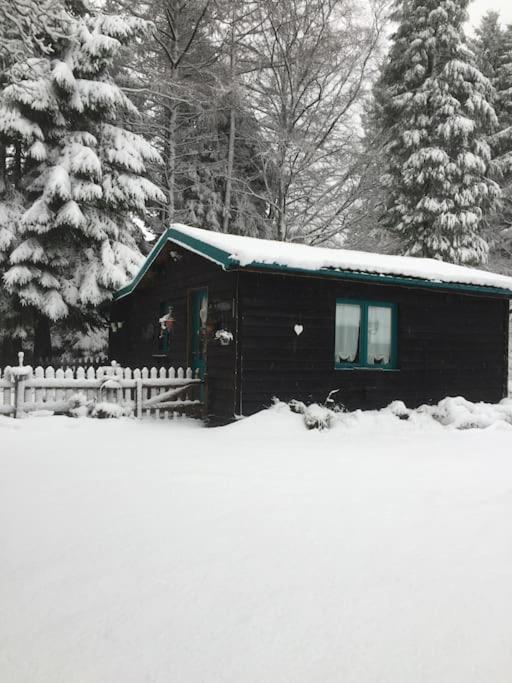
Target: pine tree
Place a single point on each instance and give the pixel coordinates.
(501, 143)
(82, 174)
(488, 44)
(437, 107)
(502, 140)
(493, 49)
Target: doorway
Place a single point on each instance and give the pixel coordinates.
(198, 330)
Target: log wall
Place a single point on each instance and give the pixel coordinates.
(448, 344)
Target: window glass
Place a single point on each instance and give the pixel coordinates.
(348, 324)
(379, 335)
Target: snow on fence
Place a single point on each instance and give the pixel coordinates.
(159, 392)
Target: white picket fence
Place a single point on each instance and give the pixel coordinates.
(162, 392)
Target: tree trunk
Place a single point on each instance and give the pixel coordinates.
(229, 170)
(232, 131)
(171, 164)
(3, 169)
(42, 341)
(17, 165)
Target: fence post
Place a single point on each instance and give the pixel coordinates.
(19, 388)
(138, 397)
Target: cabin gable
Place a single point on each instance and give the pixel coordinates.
(170, 281)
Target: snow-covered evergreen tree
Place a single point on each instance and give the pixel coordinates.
(501, 143)
(493, 49)
(487, 45)
(437, 108)
(82, 176)
(502, 140)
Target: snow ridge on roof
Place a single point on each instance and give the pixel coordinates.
(247, 251)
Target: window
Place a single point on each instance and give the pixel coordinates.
(365, 335)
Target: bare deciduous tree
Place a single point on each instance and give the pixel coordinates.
(313, 60)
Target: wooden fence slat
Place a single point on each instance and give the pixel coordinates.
(144, 376)
(69, 374)
(39, 392)
(60, 394)
(91, 375)
(128, 394)
(153, 374)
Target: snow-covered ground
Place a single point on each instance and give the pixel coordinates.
(146, 552)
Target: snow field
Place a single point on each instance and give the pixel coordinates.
(376, 551)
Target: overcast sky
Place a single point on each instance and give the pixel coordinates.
(479, 7)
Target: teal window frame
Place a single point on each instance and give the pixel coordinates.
(362, 363)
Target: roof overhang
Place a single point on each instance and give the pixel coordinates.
(228, 262)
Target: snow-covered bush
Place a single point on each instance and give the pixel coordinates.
(461, 414)
(104, 409)
(79, 405)
(452, 412)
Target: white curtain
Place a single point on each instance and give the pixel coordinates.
(379, 335)
(348, 321)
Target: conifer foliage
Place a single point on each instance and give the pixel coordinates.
(79, 171)
(493, 48)
(438, 111)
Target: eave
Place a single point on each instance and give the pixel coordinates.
(227, 262)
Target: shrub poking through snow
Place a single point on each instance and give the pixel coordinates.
(318, 416)
(399, 409)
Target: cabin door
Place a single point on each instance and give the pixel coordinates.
(199, 315)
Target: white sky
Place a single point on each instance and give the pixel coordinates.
(479, 7)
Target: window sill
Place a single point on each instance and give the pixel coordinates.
(365, 368)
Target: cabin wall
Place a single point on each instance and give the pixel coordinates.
(449, 344)
(170, 282)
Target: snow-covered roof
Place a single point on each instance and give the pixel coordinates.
(234, 252)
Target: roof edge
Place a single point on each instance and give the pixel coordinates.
(218, 256)
(403, 281)
(226, 261)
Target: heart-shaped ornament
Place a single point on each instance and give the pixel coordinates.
(298, 329)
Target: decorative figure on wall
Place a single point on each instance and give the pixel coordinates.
(166, 329)
(175, 256)
(224, 337)
(298, 329)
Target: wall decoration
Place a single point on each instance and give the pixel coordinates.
(166, 323)
(224, 337)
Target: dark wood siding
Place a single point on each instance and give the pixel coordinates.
(448, 344)
(136, 344)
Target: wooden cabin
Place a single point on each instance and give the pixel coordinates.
(261, 319)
